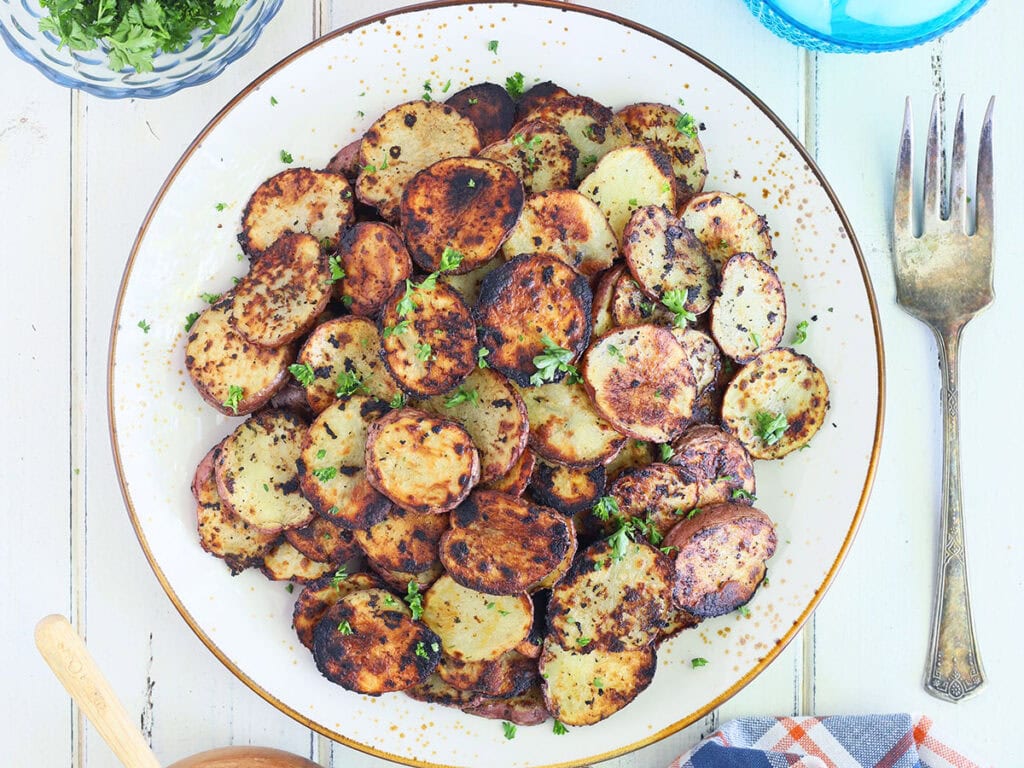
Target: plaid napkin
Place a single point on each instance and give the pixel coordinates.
(859, 741)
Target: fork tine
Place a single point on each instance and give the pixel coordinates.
(984, 188)
(933, 168)
(902, 193)
(958, 176)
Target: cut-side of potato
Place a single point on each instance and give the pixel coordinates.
(669, 130)
(634, 454)
(403, 541)
(502, 544)
(515, 481)
(256, 474)
(318, 596)
(537, 96)
(717, 463)
(531, 647)
(627, 179)
(631, 306)
(323, 540)
(720, 558)
(566, 428)
(231, 373)
(525, 709)
(639, 379)
(402, 142)
(727, 225)
(375, 261)
(678, 621)
(331, 465)
(476, 626)
(285, 563)
(434, 690)
(468, 284)
(367, 643)
(775, 404)
(492, 412)
(462, 204)
(432, 347)
(567, 489)
(668, 261)
(585, 688)
(508, 675)
(749, 316)
(318, 203)
(539, 153)
(564, 224)
(591, 127)
(490, 108)
(657, 494)
(421, 462)
(400, 580)
(601, 309)
(344, 355)
(528, 305)
(704, 356)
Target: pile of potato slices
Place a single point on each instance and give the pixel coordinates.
(506, 367)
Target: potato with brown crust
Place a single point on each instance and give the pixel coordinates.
(468, 284)
(704, 356)
(601, 309)
(591, 127)
(375, 261)
(669, 130)
(566, 428)
(490, 108)
(539, 153)
(400, 579)
(285, 563)
(421, 462)
(509, 675)
(658, 494)
(721, 558)
(346, 160)
(639, 379)
(531, 647)
(749, 316)
(462, 204)
(403, 541)
(434, 690)
(525, 709)
(323, 540)
(727, 225)
(567, 489)
(502, 544)
(631, 306)
(678, 621)
(537, 96)
(717, 463)
(528, 306)
(514, 481)
(635, 453)
(318, 596)
(627, 179)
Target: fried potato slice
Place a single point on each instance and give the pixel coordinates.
(727, 225)
(566, 428)
(318, 596)
(537, 96)
(475, 626)
(285, 563)
(525, 709)
(531, 647)
(514, 481)
(421, 462)
(323, 540)
(591, 127)
(375, 261)
(402, 142)
(668, 129)
(703, 354)
(331, 465)
(400, 579)
(490, 108)
(678, 621)
(635, 453)
(585, 688)
(749, 316)
(567, 489)
(721, 558)
(432, 347)
(318, 203)
(667, 259)
(775, 386)
(657, 494)
(434, 690)
(346, 347)
(367, 643)
(256, 475)
(631, 306)
(466, 204)
(468, 284)
(220, 361)
(564, 224)
(509, 675)
(403, 541)
(346, 160)
(601, 309)
(639, 379)
(717, 463)
(525, 301)
(627, 179)
(502, 544)
(539, 153)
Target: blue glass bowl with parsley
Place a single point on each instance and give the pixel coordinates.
(132, 49)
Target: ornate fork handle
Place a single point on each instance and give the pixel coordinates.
(954, 665)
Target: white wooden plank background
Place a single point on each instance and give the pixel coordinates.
(77, 176)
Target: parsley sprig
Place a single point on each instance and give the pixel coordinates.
(770, 427)
(303, 373)
(553, 360)
(414, 599)
(675, 300)
(462, 395)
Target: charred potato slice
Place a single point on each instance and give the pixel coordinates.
(631, 306)
(400, 580)
(468, 284)
(601, 310)
(488, 106)
(525, 709)
(639, 379)
(367, 643)
(509, 675)
(323, 541)
(585, 688)
(721, 558)
(421, 462)
(727, 225)
(502, 544)
(475, 626)
(539, 95)
(667, 259)
(514, 481)
(256, 474)
(669, 130)
(678, 621)
(346, 160)
(627, 179)
(749, 316)
(331, 465)
(466, 204)
(285, 563)
(531, 647)
(567, 489)
(376, 262)
(566, 428)
(345, 350)
(434, 690)
(404, 141)
(635, 454)
(658, 494)
(540, 154)
(432, 347)
(564, 224)
(403, 541)
(220, 362)
(591, 127)
(776, 403)
(318, 203)
(527, 305)
(717, 463)
(703, 354)
(318, 596)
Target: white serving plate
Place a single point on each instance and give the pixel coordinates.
(328, 93)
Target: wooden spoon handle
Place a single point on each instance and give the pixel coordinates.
(70, 661)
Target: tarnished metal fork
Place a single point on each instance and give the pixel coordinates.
(944, 278)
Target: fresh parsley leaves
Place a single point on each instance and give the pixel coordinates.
(414, 599)
(481, 353)
(551, 361)
(421, 650)
(190, 320)
(509, 729)
(699, 661)
(325, 473)
(675, 300)
(423, 351)
(616, 353)
(144, 326)
(740, 494)
(339, 576)
(687, 125)
(450, 259)
(345, 628)
(286, 156)
(770, 427)
(606, 508)
(666, 452)
(492, 46)
(303, 373)
(234, 398)
(337, 271)
(398, 401)
(558, 729)
(210, 298)
(800, 334)
(348, 384)
(514, 85)
(462, 395)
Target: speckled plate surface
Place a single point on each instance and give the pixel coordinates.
(326, 94)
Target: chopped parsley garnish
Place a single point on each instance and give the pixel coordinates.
(428, 282)
(589, 159)
(666, 451)
(369, 168)
(606, 508)
(471, 183)
(348, 384)
(739, 493)
(221, 206)
(286, 156)
(800, 335)
(289, 588)
(552, 360)
(693, 513)
(632, 202)
(450, 259)
(528, 147)
(686, 124)
(414, 599)
(619, 541)
(144, 326)
(756, 339)
(337, 271)
(675, 300)
(190, 320)
(462, 395)
(210, 298)
(698, 662)
(471, 102)
(325, 473)
(492, 46)
(333, 510)
(490, 605)
(669, 550)
(396, 330)
(666, 187)
(389, 601)
(616, 353)
(273, 101)
(406, 304)
(743, 611)
(582, 642)
(347, 300)
(480, 355)
(345, 628)
(321, 453)
(509, 728)
(339, 576)
(426, 91)
(598, 683)
(303, 373)
(558, 729)
(234, 398)
(421, 650)
(398, 401)
(446, 86)
(423, 351)
(770, 427)
(514, 85)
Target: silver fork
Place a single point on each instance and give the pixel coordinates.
(944, 278)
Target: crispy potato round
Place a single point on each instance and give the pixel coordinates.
(539, 153)
(531, 647)
(631, 306)
(749, 316)
(323, 540)
(717, 463)
(421, 462)
(434, 690)
(658, 494)
(527, 302)
(514, 481)
(346, 160)
(566, 428)
(400, 579)
(591, 127)
(567, 489)
(525, 709)
(403, 541)
(490, 108)
(601, 310)
(640, 380)
(468, 284)
(537, 96)
(727, 225)
(285, 563)
(466, 204)
(318, 596)
(508, 675)
(704, 356)
(375, 261)
(627, 179)
(666, 128)
(635, 453)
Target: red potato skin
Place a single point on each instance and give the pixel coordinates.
(346, 161)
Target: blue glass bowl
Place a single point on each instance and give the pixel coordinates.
(869, 39)
(89, 70)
